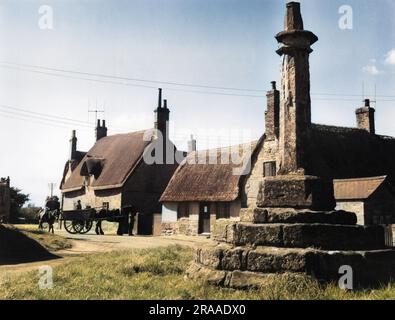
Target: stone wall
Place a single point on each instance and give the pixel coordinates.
(93, 198)
(353, 206)
(268, 152)
(190, 225)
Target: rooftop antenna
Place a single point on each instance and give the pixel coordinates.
(96, 113)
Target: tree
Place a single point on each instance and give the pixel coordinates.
(18, 199)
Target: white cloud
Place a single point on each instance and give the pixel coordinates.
(390, 57)
(372, 70)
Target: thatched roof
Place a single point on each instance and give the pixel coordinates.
(199, 179)
(341, 153)
(119, 154)
(357, 189)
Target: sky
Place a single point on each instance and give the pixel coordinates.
(203, 43)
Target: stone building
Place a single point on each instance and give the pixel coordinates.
(5, 200)
(114, 173)
(289, 226)
(371, 199)
(202, 190)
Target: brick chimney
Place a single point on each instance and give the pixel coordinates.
(191, 145)
(365, 117)
(162, 117)
(73, 146)
(295, 103)
(101, 130)
(272, 114)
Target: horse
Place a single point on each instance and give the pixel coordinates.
(48, 216)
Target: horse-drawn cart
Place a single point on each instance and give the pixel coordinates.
(81, 221)
(78, 221)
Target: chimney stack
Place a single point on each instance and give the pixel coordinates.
(101, 130)
(272, 114)
(162, 117)
(191, 145)
(365, 117)
(73, 146)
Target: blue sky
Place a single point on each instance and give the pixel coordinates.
(222, 43)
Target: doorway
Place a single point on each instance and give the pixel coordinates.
(204, 218)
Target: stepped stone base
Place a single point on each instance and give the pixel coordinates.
(237, 279)
(323, 236)
(290, 215)
(284, 242)
(245, 267)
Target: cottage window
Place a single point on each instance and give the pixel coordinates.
(183, 210)
(269, 169)
(106, 205)
(223, 210)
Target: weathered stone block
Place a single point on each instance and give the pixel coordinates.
(210, 257)
(223, 230)
(234, 259)
(296, 192)
(324, 236)
(333, 237)
(253, 234)
(290, 215)
(206, 274)
(269, 259)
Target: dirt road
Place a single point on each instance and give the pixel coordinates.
(92, 243)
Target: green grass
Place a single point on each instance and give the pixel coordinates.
(49, 241)
(156, 274)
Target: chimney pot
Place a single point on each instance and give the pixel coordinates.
(73, 145)
(273, 85)
(101, 131)
(192, 145)
(367, 103)
(160, 98)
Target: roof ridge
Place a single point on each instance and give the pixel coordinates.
(361, 179)
(227, 147)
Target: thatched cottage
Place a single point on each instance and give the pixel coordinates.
(114, 173)
(292, 145)
(205, 187)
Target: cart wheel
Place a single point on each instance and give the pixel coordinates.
(87, 226)
(69, 226)
(78, 226)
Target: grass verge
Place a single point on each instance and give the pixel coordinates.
(49, 241)
(157, 274)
